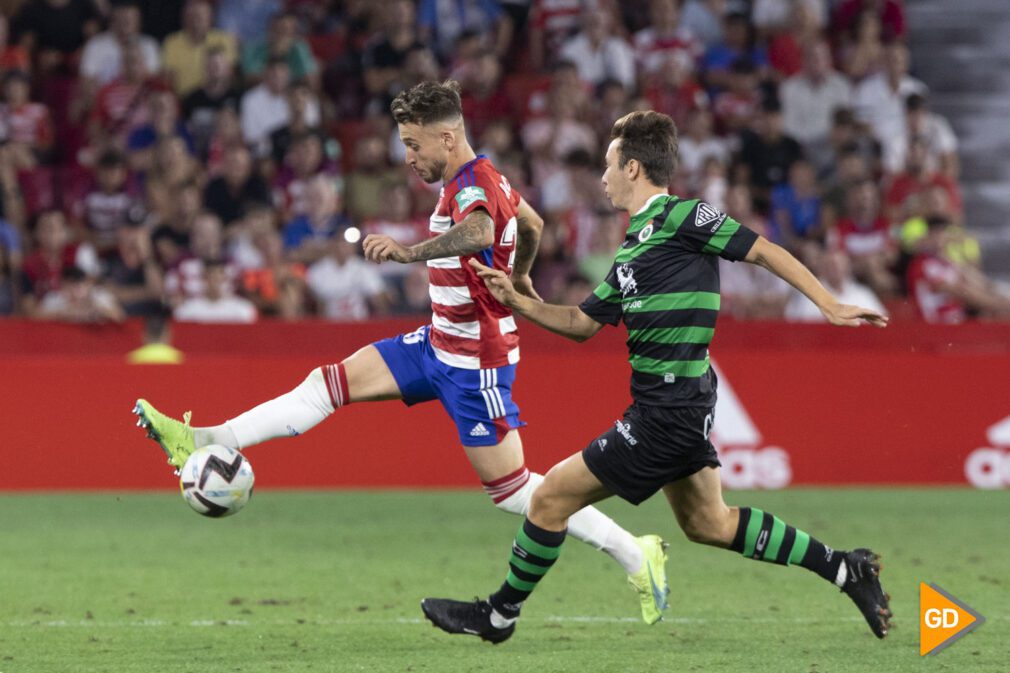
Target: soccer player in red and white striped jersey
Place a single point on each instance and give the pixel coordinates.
(466, 357)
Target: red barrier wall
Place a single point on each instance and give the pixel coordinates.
(798, 405)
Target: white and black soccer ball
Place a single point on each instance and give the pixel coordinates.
(216, 481)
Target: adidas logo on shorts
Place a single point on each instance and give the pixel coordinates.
(479, 431)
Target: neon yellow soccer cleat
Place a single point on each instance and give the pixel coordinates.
(175, 438)
(650, 581)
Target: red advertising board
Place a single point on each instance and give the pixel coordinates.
(799, 405)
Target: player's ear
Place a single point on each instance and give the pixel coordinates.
(448, 139)
(632, 169)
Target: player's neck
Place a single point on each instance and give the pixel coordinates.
(641, 197)
(459, 159)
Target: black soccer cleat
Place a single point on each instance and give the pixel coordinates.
(862, 585)
(473, 618)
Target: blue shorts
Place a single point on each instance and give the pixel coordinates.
(479, 401)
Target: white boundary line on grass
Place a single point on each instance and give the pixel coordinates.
(571, 619)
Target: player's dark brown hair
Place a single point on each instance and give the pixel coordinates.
(427, 103)
(650, 138)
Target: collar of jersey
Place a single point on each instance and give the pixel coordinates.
(641, 217)
(467, 166)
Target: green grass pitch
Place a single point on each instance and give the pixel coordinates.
(331, 582)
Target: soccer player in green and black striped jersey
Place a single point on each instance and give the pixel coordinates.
(664, 285)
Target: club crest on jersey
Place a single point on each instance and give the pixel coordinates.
(626, 279)
(470, 195)
(645, 233)
(706, 215)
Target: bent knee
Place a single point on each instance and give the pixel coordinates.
(708, 527)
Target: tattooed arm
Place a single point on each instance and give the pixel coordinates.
(530, 225)
(473, 234)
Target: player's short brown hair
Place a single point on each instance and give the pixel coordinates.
(650, 138)
(427, 103)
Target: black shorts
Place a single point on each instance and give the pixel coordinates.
(651, 447)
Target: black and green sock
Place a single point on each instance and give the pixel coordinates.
(533, 553)
(763, 536)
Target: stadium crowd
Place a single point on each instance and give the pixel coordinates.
(222, 159)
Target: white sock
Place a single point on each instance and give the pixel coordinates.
(597, 529)
(289, 415)
(843, 574)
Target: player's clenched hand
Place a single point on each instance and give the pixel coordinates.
(498, 283)
(847, 315)
(524, 285)
(380, 248)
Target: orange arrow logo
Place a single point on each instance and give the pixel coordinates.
(942, 619)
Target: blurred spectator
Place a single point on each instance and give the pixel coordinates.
(851, 169)
(300, 101)
(119, 107)
(132, 273)
(396, 219)
(944, 292)
(599, 52)
(810, 98)
(306, 237)
(774, 16)
(713, 185)
(889, 13)
(107, 208)
(913, 181)
(247, 20)
(862, 53)
(796, 209)
(282, 43)
(162, 124)
(172, 168)
(738, 45)
(172, 229)
(53, 30)
(218, 90)
(785, 47)
(25, 126)
(574, 198)
(847, 135)
(607, 238)
(78, 299)
(748, 291)
(483, 96)
(186, 278)
(185, 53)
(767, 151)
(12, 56)
(737, 106)
(103, 55)
(549, 139)
(10, 268)
(665, 37)
(934, 202)
(265, 107)
(880, 102)
(933, 130)
(414, 298)
(865, 234)
(43, 269)
(384, 58)
(304, 161)
(345, 286)
(13, 212)
(227, 132)
(696, 146)
(835, 272)
(371, 179)
(443, 22)
(157, 348)
(275, 285)
(237, 189)
(551, 23)
(673, 90)
(217, 303)
(704, 19)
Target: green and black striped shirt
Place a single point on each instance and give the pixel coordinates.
(665, 285)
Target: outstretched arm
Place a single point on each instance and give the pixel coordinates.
(568, 321)
(780, 262)
(473, 234)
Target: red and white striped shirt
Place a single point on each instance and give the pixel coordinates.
(469, 328)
